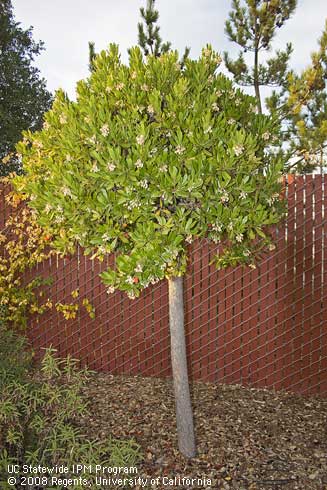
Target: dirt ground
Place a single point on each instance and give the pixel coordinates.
(248, 439)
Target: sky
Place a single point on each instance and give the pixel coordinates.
(66, 26)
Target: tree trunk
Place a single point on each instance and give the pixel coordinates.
(256, 68)
(256, 82)
(184, 415)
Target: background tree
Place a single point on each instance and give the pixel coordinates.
(149, 158)
(149, 33)
(303, 106)
(92, 54)
(23, 94)
(252, 25)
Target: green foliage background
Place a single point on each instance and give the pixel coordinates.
(23, 94)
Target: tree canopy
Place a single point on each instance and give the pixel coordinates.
(23, 94)
(147, 159)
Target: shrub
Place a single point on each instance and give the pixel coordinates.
(15, 357)
(38, 421)
(22, 246)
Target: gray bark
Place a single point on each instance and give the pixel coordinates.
(184, 414)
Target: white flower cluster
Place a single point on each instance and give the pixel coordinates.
(273, 198)
(179, 150)
(217, 227)
(153, 280)
(163, 168)
(238, 150)
(63, 119)
(92, 140)
(224, 197)
(140, 139)
(104, 130)
(215, 107)
(239, 237)
(139, 163)
(133, 203)
(95, 168)
(243, 195)
(150, 109)
(66, 191)
(144, 183)
(48, 208)
(111, 166)
(266, 136)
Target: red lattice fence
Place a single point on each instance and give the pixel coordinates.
(265, 327)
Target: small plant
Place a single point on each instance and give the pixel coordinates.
(15, 357)
(38, 422)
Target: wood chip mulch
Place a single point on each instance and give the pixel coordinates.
(247, 439)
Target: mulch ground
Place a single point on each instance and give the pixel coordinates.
(247, 439)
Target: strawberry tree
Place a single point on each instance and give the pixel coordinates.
(148, 158)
